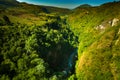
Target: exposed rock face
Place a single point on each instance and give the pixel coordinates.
(104, 25)
(115, 21)
(119, 31)
(101, 27)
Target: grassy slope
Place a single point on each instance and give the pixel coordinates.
(29, 14)
(98, 55)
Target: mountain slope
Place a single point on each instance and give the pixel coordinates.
(98, 29)
(84, 6)
(8, 3)
(46, 9)
(28, 13)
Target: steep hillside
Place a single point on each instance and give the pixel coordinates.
(98, 29)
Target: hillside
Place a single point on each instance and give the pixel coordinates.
(98, 30)
(36, 8)
(28, 13)
(8, 3)
(84, 6)
(49, 43)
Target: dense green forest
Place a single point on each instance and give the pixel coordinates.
(49, 43)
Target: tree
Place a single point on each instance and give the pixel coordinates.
(6, 19)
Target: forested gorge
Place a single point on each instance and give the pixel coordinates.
(49, 43)
(35, 52)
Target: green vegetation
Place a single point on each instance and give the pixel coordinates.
(98, 41)
(34, 47)
(37, 42)
(34, 52)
